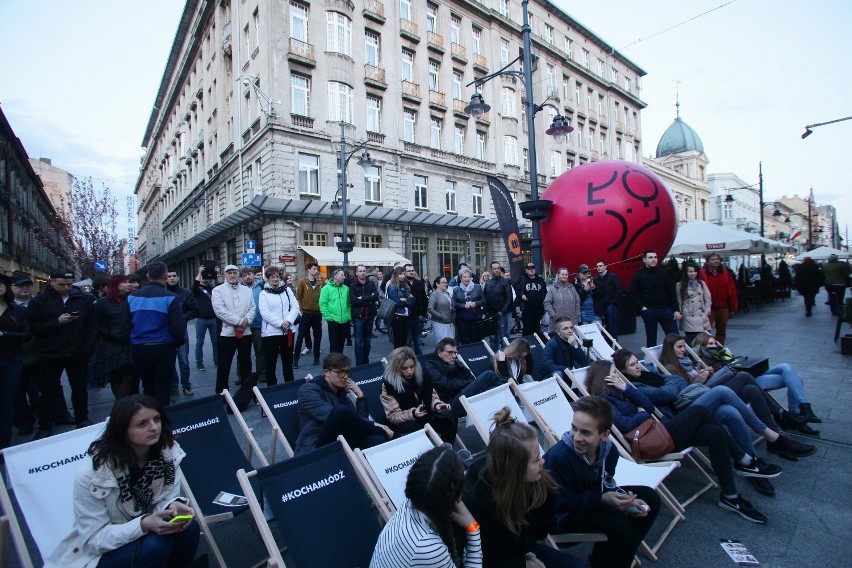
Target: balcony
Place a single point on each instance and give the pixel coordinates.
(411, 92)
(480, 63)
(408, 30)
(435, 42)
(581, 111)
(376, 137)
(437, 101)
(458, 108)
(619, 126)
(301, 52)
(374, 10)
(593, 116)
(458, 52)
(569, 106)
(375, 77)
(302, 121)
(411, 147)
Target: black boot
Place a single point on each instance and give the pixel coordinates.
(795, 422)
(806, 411)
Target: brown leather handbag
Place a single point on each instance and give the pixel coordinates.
(650, 441)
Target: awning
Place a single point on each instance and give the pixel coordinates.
(701, 237)
(330, 256)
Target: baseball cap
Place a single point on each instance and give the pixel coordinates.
(530, 265)
(63, 273)
(231, 267)
(21, 279)
(583, 268)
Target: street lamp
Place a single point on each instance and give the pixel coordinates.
(345, 245)
(534, 209)
(808, 127)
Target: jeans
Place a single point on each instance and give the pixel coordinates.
(183, 363)
(336, 336)
(155, 364)
(415, 330)
(227, 347)
(202, 326)
(310, 323)
(10, 376)
(400, 326)
(362, 336)
(504, 324)
(611, 320)
(155, 551)
(259, 358)
(653, 316)
(486, 381)
(273, 347)
(781, 376)
(732, 412)
(49, 383)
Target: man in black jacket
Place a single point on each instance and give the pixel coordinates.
(418, 309)
(205, 322)
(190, 311)
(61, 320)
(451, 379)
(606, 291)
(498, 303)
(653, 292)
(364, 296)
(531, 290)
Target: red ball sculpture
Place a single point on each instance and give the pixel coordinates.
(612, 211)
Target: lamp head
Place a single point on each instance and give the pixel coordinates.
(477, 106)
(559, 129)
(807, 133)
(365, 161)
(729, 198)
(776, 214)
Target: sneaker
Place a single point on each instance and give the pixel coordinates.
(305, 351)
(784, 445)
(43, 433)
(187, 391)
(762, 486)
(758, 467)
(201, 367)
(175, 391)
(84, 423)
(743, 507)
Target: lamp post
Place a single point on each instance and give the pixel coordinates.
(345, 245)
(808, 127)
(534, 209)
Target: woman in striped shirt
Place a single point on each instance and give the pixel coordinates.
(432, 527)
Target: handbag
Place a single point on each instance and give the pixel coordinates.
(486, 327)
(720, 377)
(689, 395)
(387, 310)
(650, 440)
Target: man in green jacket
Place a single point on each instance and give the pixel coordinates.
(336, 307)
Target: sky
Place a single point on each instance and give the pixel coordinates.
(78, 81)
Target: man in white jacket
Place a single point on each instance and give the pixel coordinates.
(234, 305)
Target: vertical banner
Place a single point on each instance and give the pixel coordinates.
(504, 207)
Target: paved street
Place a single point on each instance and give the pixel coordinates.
(808, 518)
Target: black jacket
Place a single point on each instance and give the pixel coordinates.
(187, 301)
(498, 296)
(420, 308)
(606, 292)
(447, 380)
(112, 321)
(16, 333)
(203, 299)
(652, 288)
(369, 298)
(535, 289)
(53, 340)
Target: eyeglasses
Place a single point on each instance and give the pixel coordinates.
(342, 373)
(451, 353)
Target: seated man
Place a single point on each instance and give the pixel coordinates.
(563, 351)
(451, 379)
(326, 412)
(589, 500)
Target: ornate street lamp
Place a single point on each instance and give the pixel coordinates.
(340, 200)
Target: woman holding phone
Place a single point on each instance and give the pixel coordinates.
(127, 505)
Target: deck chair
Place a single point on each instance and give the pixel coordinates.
(652, 356)
(604, 345)
(280, 406)
(369, 378)
(481, 408)
(476, 357)
(41, 475)
(536, 350)
(319, 487)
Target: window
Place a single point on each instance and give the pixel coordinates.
(555, 163)
(476, 40)
(569, 47)
(548, 34)
(480, 254)
(510, 150)
(457, 85)
(455, 25)
(435, 133)
(589, 94)
(577, 89)
(526, 160)
(373, 184)
(409, 125)
(477, 200)
(450, 195)
(316, 239)
(431, 18)
(421, 192)
(374, 114)
(480, 145)
(550, 79)
(600, 68)
(339, 37)
(299, 21)
(371, 48)
(728, 210)
(570, 163)
(601, 107)
(420, 254)
(309, 174)
(256, 21)
(504, 52)
(300, 91)
(434, 75)
(586, 58)
(566, 89)
(627, 84)
(339, 102)
(508, 102)
(503, 8)
(614, 75)
(407, 65)
(371, 241)
(458, 139)
(405, 11)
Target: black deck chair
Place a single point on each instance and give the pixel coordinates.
(369, 378)
(477, 357)
(280, 404)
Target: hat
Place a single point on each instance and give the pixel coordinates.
(530, 265)
(583, 268)
(63, 273)
(21, 279)
(231, 267)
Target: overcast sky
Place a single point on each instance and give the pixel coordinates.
(78, 81)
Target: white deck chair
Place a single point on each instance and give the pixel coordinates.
(482, 407)
(599, 336)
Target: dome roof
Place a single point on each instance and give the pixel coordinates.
(679, 137)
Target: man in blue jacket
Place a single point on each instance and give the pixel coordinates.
(563, 350)
(158, 329)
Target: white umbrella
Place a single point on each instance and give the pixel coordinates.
(701, 237)
(822, 253)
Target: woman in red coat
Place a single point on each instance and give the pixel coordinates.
(723, 290)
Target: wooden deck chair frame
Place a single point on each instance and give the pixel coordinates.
(275, 560)
(277, 432)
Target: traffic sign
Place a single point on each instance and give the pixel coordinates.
(252, 260)
(250, 244)
(100, 265)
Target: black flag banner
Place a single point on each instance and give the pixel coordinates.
(504, 207)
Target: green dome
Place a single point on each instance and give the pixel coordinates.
(679, 137)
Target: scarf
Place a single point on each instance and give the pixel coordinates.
(280, 290)
(135, 486)
(468, 288)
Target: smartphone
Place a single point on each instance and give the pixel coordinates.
(181, 518)
(74, 313)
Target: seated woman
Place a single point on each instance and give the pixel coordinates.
(723, 408)
(125, 494)
(677, 361)
(514, 362)
(409, 403)
(432, 527)
(580, 462)
(512, 497)
(692, 426)
(776, 377)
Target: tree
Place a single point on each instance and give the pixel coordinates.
(90, 231)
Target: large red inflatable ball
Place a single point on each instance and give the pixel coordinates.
(612, 211)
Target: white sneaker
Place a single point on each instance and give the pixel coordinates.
(305, 351)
